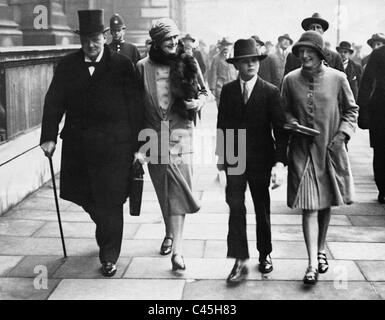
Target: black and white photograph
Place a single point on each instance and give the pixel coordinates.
(192, 155)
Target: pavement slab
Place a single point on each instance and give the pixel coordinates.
(279, 290)
(118, 289)
(24, 289)
(368, 221)
(7, 263)
(30, 266)
(372, 270)
(380, 289)
(26, 228)
(80, 230)
(357, 250)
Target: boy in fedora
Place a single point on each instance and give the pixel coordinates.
(118, 44)
(352, 69)
(252, 105)
(97, 90)
(320, 25)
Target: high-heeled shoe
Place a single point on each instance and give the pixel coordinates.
(166, 248)
(311, 275)
(323, 264)
(177, 265)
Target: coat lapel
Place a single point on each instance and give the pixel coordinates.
(255, 96)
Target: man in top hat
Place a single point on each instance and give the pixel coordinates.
(221, 72)
(118, 44)
(372, 113)
(97, 90)
(252, 106)
(353, 70)
(320, 25)
(376, 41)
(189, 45)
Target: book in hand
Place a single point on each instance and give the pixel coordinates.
(296, 127)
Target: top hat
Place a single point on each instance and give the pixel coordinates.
(257, 40)
(245, 48)
(224, 42)
(315, 18)
(91, 21)
(285, 36)
(311, 39)
(345, 45)
(376, 37)
(116, 22)
(188, 37)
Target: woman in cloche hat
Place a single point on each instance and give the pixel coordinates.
(319, 175)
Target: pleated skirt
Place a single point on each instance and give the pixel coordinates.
(308, 196)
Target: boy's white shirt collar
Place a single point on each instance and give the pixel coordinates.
(250, 84)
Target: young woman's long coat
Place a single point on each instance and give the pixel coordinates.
(324, 102)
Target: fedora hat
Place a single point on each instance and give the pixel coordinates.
(376, 37)
(315, 18)
(224, 42)
(285, 36)
(91, 21)
(116, 22)
(245, 48)
(310, 39)
(258, 40)
(188, 37)
(345, 45)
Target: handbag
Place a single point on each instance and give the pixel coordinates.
(136, 188)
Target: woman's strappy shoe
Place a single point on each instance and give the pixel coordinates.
(323, 264)
(165, 248)
(311, 275)
(177, 262)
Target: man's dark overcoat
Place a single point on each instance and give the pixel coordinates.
(372, 103)
(354, 72)
(103, 116)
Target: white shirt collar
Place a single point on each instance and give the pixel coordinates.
(250, 84)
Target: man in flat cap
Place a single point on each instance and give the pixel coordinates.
(252, 106)
(98, 92)
(118, 44)
(320, 25)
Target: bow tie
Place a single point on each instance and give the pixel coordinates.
(91, 64)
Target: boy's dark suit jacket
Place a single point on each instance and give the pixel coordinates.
(103, 118)
(262, 112)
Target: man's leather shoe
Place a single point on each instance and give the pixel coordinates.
(381, 198)
(238, 273)
(265, 264)
(108, 269)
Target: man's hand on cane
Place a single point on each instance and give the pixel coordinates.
(48, 148)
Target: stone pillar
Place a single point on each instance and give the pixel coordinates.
(32, 22)
(10, 35)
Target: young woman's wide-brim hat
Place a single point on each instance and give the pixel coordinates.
(310, 39)
(245, 48)
(315, 18)
(91, 22)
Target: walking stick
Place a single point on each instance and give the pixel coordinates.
(57, 206)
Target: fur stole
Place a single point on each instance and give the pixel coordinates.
(184, 83)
